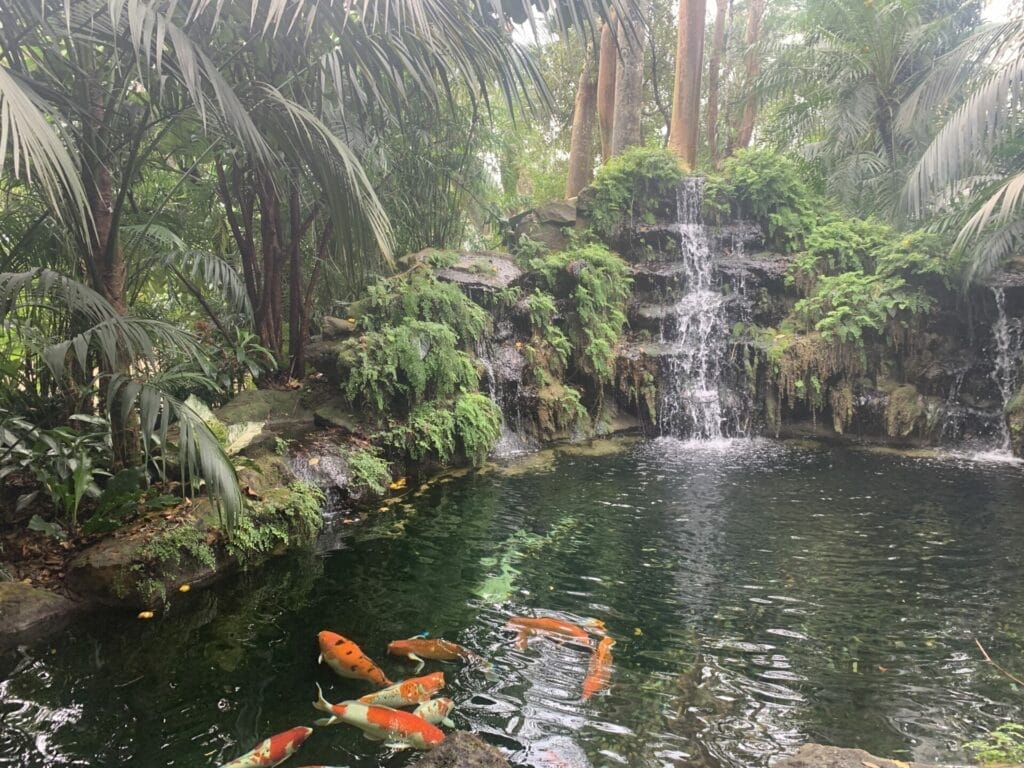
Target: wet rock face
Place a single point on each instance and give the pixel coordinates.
(818, 756)
(463, 750)
(25, 610)
(548, 224)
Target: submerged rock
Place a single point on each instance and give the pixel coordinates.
(818, 756)
(463, 750)
(25, 609)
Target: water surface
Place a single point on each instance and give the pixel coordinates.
(763, 595)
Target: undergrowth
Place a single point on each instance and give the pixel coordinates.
(631, 188)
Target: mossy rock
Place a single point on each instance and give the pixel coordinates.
(323, 357)
(818, 756)
(463, 750)
(26, 610)
(903, 411)
(276, 408)
(141, 566)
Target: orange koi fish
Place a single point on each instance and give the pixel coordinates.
(436, 711)
(348, 660)
(415, 690)
(526, 627)
(419, 648)
(399, 729)
(272, 751)
(599, 673)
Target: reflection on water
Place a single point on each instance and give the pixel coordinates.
(762, 594)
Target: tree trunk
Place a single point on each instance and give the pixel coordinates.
(682, 138)
(753, 68)
(607, 65)
(581, 148)
(714, 73)
(629, 83)
(268, 313)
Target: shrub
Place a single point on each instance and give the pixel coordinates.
(369, 470)
(631, 187)
(478, 425)
(402, 366)
(418, 295)
(768, 189)
(595, 307)
(844, 307)
(1004, 745)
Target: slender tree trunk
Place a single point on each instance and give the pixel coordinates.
(629, 82)
(752, 60)
(268, 313)
(714, 73)
(682, 138)
(606, 70)
(581, 148)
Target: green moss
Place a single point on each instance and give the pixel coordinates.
(631, 187)
(903, 410)
(288, 516)
(170, 547)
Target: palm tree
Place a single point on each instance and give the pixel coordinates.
(840, 75)
(96, 94)
(972, 172)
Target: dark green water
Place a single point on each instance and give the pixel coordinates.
(763, 595)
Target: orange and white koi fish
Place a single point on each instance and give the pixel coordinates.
(419, 648)
(399, 729)
(436, 711)
(415, 690)
(348, 660)
(272, 751)
(599, 673)
(526, 627)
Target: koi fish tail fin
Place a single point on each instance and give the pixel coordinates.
(485, 666)
(325, 721)
(522, 640)
(448, 722)
(420, 663)
(321, 703)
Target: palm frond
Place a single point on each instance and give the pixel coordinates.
(986, 117)
(38, 149)
(201, 457)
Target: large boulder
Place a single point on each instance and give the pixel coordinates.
(548, 224)
(25, 610)
(818, 756)
(463, 750)
(485, 271)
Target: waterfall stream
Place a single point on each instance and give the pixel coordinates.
(1008, 334)
(691, 402)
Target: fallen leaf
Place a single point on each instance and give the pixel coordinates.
(314, 461)
(146, 615)
(638, 632)
(185, 588)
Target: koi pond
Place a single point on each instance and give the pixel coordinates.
(762, 595)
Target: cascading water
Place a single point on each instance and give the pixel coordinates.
(691, 401)
(1009, 348)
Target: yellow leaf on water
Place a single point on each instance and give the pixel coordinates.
(146, 615)
(314, 461)
(185, 588)
(638, 632)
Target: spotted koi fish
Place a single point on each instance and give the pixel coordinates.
(415, 690)
(599, 673)
(419, 648)
(526, 627)
(348, 660)
(399, 729)
(272, 751)
(436, 711)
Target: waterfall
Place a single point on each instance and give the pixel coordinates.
(1009, 340)
(691, 402)
(502, 370)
